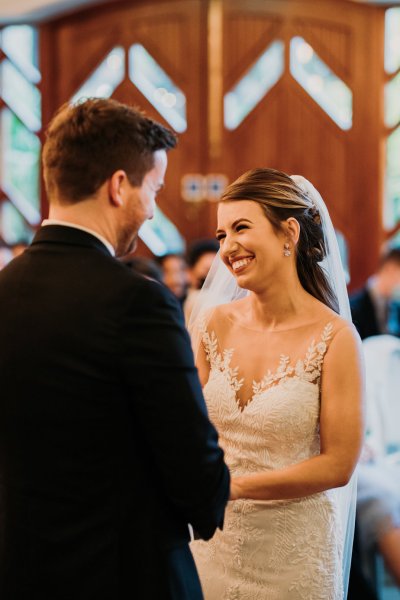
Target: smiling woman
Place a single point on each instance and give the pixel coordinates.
(289, 434)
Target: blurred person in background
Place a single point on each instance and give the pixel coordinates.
(175, 274)
(200, 256)
(375, 308)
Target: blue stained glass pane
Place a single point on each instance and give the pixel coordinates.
(254, 85)
(392, 192)
(19, 167)
(157, 87)
(20, 95)
(392, 102)
(330, 92)
(20, 44)
(392, 40)
(161, 236)
(14, 228)
(106, 78)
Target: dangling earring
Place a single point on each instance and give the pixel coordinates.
(286, 250)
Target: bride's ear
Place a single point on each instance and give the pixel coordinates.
(292, 229)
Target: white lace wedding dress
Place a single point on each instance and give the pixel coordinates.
(270, 550)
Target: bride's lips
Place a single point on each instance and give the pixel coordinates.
(240, 263)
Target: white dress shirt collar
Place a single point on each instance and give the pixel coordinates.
(67, 224)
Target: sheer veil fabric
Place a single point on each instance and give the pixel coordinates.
(220, 287)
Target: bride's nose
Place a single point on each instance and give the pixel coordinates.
(229, 247)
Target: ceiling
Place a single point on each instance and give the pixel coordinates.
(36, 10)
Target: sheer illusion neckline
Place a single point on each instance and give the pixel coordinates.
(240, 324)
(306, 369)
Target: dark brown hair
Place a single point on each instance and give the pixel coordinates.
(281, 198)
(88, 141)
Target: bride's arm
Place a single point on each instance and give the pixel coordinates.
(341, 431)
(202, 364)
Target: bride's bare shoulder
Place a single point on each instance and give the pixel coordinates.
(231, 310)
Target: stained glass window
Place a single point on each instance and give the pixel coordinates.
(161, 236)
(19, 166)
(20, 122)
(317, 79)
(106, 78)
(392, 40)
(392, 182)
(254, 85)
(20, 44)
(159, 89)
(391, 215)
(13, 226)
(392, 101)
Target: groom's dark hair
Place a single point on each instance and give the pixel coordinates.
(89, 141)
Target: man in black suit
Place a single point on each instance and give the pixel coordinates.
(375, 307)
(106, 450)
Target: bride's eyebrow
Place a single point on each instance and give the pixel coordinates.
(241, 220)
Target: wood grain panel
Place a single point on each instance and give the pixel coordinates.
(331, 42)
(256, 142)
(246, 36)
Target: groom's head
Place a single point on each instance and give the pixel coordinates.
(100, 150)
(88, 141)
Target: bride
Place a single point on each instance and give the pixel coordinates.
(280, 364)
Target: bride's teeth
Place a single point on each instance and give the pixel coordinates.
(240, 263)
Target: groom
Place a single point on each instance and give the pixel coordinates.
(106, 450)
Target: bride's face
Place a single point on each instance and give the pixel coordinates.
(250, 247)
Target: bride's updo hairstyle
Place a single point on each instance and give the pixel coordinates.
(281, 198)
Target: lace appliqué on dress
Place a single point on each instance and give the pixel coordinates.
(308, 369)
(270, 550)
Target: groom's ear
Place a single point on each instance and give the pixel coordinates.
(292, 228)
(116, 188)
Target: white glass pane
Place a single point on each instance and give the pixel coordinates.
(392, 191)
(106, 78)
(19, 165)
(13, 227)
(392, 102)
(161, 236)
(330, 92)
(254, 85)
(157, 87)
(20, 95)
(20, 44)
(392, 40)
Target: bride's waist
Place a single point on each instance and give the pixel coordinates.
(240, 467)
(320, 500)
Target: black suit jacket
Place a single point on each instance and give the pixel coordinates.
(364, 314)
(106, 450)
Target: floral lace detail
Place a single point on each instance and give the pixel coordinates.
(272, 550)
(221, 362)
(308, 369)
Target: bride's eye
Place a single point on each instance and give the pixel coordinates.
(242, 226)
(220, 236)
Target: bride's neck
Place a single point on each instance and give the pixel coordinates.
(277, 306)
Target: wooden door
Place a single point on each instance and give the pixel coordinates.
(289, 130)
